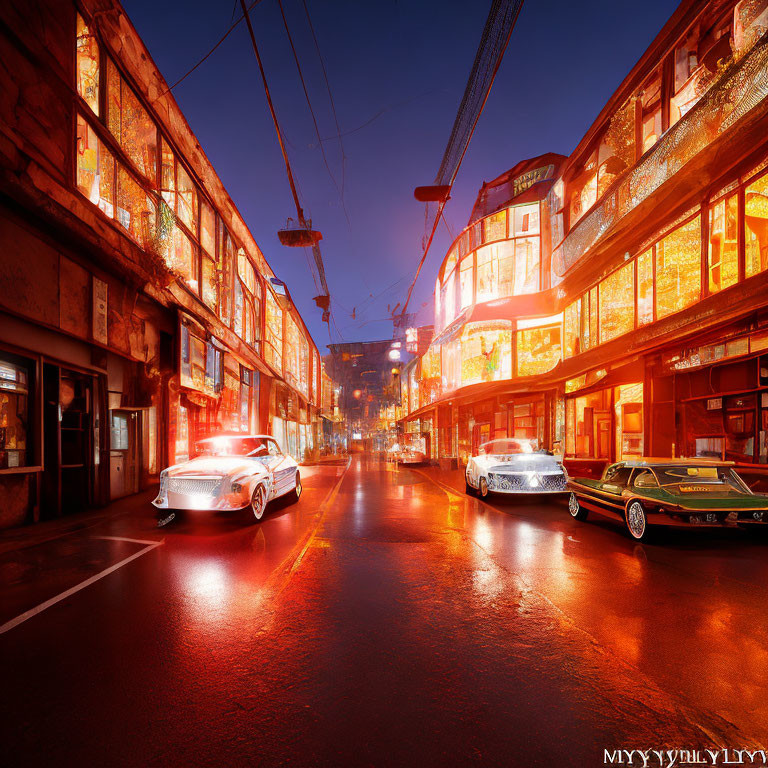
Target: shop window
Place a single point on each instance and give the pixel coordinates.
(628, 409)
(487, 275)
(617, 303)
(192, 360)
(589, 319)
(131, 124)
(226, 256)
(645, 298)
(476, 234)
(538, 350)
(756, 225)
(207, 227)
(526, 219)
(463, 247)
(186, 196)
(273, 350)
(95, 168)
(135, 209)
(678, 269)
(467, 280)
(572, 329)
(650, 104)
(495, 227)
(723, 251)
(87, 65)
(588, 426)
(14, 411)
(451, 365)
(181, 257)
(486, 353)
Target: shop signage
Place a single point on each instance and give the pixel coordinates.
(714, 403)
(529, 178)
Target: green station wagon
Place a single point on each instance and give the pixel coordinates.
(644, 493)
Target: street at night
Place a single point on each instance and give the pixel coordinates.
(388, 619)
(383, 383)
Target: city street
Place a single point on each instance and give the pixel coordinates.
(385, 619)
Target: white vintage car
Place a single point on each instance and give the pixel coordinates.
(513, 465)
(230, 472)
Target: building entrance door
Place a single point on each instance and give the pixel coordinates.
(124, 460)
(603, 434)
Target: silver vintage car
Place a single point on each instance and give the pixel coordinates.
(514, 465)
(230, 472)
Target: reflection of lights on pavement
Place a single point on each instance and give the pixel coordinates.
(483, 533)
(208, 585)
(527, 536)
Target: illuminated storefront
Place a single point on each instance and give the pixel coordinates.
(611, 304)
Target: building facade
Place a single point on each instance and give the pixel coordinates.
(137, 312)
(611, 303)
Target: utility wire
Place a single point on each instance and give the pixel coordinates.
(493, 43)
(333, 103)
(309, 105)
(207, 55)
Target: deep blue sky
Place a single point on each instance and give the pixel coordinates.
(411, 59)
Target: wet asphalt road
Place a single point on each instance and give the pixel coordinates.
(386, 619)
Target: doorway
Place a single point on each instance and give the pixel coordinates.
(124, 458)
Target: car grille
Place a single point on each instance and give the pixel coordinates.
(207, 486)
(514, 482)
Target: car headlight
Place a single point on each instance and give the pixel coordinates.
(237, 488)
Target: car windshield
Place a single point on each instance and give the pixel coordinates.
(233, 446)
(506, 446)
(689, 478)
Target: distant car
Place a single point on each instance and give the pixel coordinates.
(410, 451)
(513, 465)
(230, 472)
(644, 493)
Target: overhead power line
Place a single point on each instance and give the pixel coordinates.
(493, 43)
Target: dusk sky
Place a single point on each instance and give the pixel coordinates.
(397, 72)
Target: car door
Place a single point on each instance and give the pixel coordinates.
(610, 488)
(281, 468)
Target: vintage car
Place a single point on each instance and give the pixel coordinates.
(410, 451)
(513, 465)
(230, 472)
(644, 493)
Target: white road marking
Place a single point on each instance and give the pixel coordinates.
(82, 585)
(133, 541)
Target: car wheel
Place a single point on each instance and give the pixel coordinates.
(296, 492)
(483, 487)
(637, 521)
(259, 501)
(577, 511)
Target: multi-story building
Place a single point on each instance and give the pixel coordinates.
(137, 312)
(613, 302)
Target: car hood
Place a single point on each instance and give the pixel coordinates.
(709, 500)
(222, 466)
(523, 462)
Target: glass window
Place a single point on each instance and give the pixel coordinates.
(187, 198)
(650, 100)
(135, 208)
(95, 168)
(486, 353)
(645, 287)
(207, 227)
(467, 276)
(450, 298)
(14, 411)
(678, 269)
(572, 321)
(617, 303)
(756, 225)
(246, 270)
(495, 227)
(291, 352)
(131, 124)
(167, 174)
(590, 320)
(526, 219)
(273, 350)
(438, 319)
(583, 189)
(87, 65)
(723, 252)
(303, 364)
(226, 256)
(237, 320)
(487, 276)
(526, 266)
(181, 257)
(538, 350)
(210, 283)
